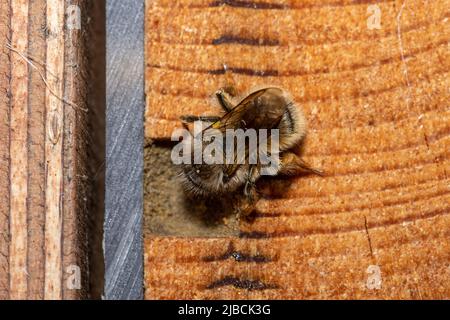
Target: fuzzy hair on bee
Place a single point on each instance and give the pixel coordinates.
(264, 108)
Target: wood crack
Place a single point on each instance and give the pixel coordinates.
(368, 235)
(248, 284)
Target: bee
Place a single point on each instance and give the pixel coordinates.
(265, 108)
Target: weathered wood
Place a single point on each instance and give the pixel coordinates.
(44, 181)
(377, 104)
(124, 149)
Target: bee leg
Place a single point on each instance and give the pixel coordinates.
(246, 204)
(249, 190)
(223, 96)
(250, 186)
(191, 118)
(292, 164)
(250, 183)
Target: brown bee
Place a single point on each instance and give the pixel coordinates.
(269, 108)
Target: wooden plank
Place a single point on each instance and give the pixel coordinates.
(43, 152)
(18, 152)
(5, 76)
(53, 150)
(36, 154)
(376, 101)
(95, 53)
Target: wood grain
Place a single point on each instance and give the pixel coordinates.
(18, 152)
(43, 152)
(53, 150)
(5, 76)
(377, 104)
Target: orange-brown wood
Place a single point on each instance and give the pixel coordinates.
(377, 104)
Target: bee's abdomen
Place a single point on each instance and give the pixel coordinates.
(292, 127)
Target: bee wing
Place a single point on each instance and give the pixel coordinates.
(233, 118)
(239, 117)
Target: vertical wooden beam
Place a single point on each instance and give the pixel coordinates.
(5, 94)
(19, 152)
(53, 149)
(45, 182)
(36, 152)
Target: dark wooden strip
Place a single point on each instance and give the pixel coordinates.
(36, 153)
(77, 184)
